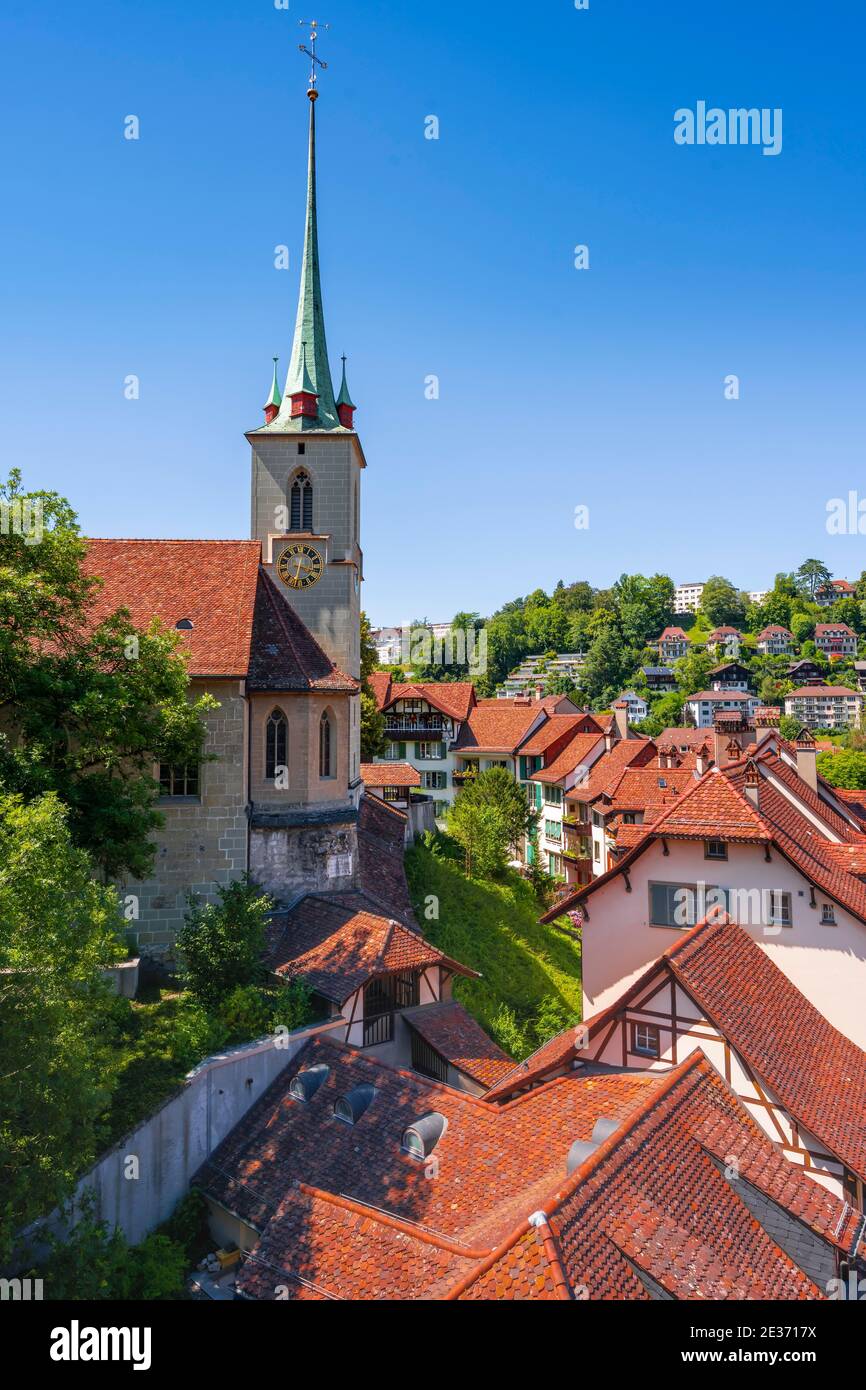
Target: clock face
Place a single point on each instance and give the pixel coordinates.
(300, 566)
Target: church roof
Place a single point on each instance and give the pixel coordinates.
(240, 623)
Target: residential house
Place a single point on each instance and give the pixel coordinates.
(764, 836)
(838, 588)
(715, 991)
(638, 709)
(553, 767)
(391, 782)
(705, 704)
(422, 722)
(836, 640)
(825, 706)
(495, 730)
(774, 640)
(660, 679)
(729, 639)
(860, 668)
(673, 644)
(805, 672)
(583, 821)
(730, 675)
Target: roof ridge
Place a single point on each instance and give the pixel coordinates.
(385, 1218)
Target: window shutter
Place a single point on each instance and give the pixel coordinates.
(401, 748)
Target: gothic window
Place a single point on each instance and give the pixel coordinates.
(326, 756)
(276, 743)
(301, 500)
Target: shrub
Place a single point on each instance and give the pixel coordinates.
(245, 1013)
(221, 944)
(95, 1262)
(293, 1006)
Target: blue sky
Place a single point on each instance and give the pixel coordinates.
(558, 387)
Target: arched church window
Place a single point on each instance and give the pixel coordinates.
(276, 743)
(326, 757)
(301, 503)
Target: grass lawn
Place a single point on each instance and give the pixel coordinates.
(530, 988)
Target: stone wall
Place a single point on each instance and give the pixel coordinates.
(315, 858)
(204, 839)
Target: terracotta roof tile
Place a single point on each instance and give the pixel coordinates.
(455, 1035)
(390, 775)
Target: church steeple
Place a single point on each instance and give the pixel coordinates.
(310, 321)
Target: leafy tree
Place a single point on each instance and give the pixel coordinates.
(845, 769)
(802, 625)
(643, 606)
(372, 720)
(722, 603)
(489, 818)
(59, 929)
(90, 707)
(221, 944)
(693, 671)
(607, 663)
(666, 713)
(96, 1262)
(812, 576)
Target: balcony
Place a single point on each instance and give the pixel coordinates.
(416, 728)
(461, 778)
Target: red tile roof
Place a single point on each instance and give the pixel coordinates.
(213, 583)
(573, 756)
(284, 655)
(676, 633)
(773, 630)
(817, 690)
(455, 1035)
(828, 629)
(339, 942)
(647, 789)
(499, 727)
(607, 770)
(390, 775)
(453, 698)
(555, 727)
(381, 849)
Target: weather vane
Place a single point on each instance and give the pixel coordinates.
(315, 25)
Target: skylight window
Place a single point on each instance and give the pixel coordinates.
(184, 625)
(350, 1107)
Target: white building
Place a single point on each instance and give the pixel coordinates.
(706, 704)
(825, 706)
(638, 709)
(687, 598)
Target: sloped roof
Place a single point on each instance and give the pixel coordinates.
(339, 942)
(284, 655)
(496, 728)
(607, 770)
(555, 727)
(390, 775)
(211, 583)
(568, 759)
(455, 1035)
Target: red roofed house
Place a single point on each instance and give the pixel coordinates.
(715, 990)
(421, 724)
(825, 706)
(767, 839)
(774, 640)
(673, 644)
(391, 782)
(836, 639)
(729, 638)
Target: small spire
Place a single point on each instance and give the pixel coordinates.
(345, 405)
(275, 400)
(304, 397)
(306, 383)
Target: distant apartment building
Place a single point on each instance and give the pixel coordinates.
(758, 596)
(836, 639)
(687, 598)
(706, 704)
(838, 588)
(388, 642)
(534, 673)
(775, 640)
(673, 644)
(825, 706)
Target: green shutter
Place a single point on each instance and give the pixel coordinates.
(402, 749)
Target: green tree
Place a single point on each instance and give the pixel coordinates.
(845, 769)
(59, 929)
(607, 663)
(90, 706)
(666, 713)
(693, 671)
(812, 576)
(221, 944)
(489, 818)
(803, 626)
(722, 603)
(372, 720)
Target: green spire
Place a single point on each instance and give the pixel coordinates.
(274, 398)
(309, 362)
(344, 398)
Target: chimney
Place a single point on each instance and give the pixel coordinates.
(609, 738)
(807, 765)
(766, 722)
(620, 714)
(539, 691)
(702, 759)
(752, 785)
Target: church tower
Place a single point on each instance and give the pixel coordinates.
(306, 477)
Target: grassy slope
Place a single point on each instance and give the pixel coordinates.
(494, 928)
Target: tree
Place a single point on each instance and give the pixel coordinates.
(812, 577)
(666, 713)
(59, 929)
(90, 706)
(607, 663)
(722, 603)
(372, 720)
(490, 818)
(844, 769)
(643, 606)
(802, 625)
(221, 944)
(693, 671)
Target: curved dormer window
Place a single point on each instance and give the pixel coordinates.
(184, 625)
(301, 503)
(350, 1107)
(421, 1138)
(276, 744)
(305, 1085)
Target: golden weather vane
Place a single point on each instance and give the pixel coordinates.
(314, 26)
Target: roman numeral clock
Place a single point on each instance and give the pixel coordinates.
(300, 566)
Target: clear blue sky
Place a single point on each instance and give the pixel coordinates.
(453, 258)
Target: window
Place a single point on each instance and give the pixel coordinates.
(276, 744)
(395, 752)
(684, 904)
(429, 752)
(645, 1040)
(596, 850)
(553, 795)
(395, 793)
(553, 829)
(779, 909)
(828, 915)
(325, 753)
(301, 499)
(434, 781)
(184, 625)
(715, 849)
(554, 863)
(178, 781)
